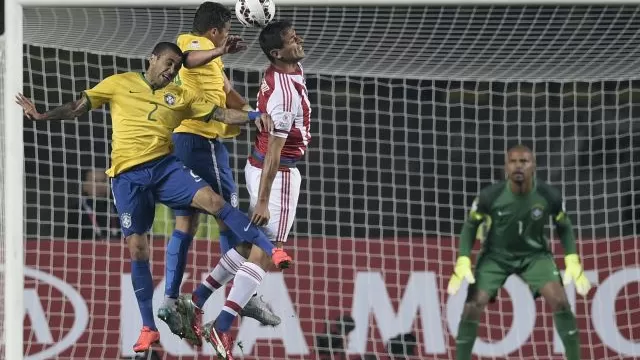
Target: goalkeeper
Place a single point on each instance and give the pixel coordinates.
(512, 215)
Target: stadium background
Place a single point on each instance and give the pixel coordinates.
(397, 156)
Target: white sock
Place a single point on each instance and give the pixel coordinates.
(224, 271)
(245, 284)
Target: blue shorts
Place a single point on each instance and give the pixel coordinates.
(136, 191)
(209, 159)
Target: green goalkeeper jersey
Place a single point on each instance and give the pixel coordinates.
(514, 224)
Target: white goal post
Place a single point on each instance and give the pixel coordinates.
(12, 180)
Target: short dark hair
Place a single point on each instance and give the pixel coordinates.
(165, 46)
(521, 148)
(210, 15)
(271, 37)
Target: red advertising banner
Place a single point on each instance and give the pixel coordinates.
(80, 304)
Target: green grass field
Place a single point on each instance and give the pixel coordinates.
(163, 225)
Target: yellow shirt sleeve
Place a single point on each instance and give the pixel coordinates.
(101, 93)
(197, 106)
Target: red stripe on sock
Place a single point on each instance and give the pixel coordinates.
(254, 274)
(233, 306)
(228, 264)
(211, 281)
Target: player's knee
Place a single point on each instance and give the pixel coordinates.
(472, 310)
(260, 258)
(207, 200)
(138, 247)
(188, 224)
(559, 303)
(244, 249)
(475, 304)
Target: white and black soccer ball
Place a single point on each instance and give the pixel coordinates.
(255, 13)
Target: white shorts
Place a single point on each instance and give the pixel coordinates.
(282, 202)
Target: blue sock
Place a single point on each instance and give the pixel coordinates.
(224, 321)
(228, 241)
(201, 294)
(175, 262)
(242, 227)
(143, 288)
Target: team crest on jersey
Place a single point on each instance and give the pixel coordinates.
(195, 44)
(170, 99)
(537, 211)
(126, 220)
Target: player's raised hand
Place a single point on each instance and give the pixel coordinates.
(264, 123)
(573, 272)
(461, 272)
(28, 107)
(234, 44)
(261, 214)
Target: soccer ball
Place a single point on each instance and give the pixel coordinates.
(255, 13)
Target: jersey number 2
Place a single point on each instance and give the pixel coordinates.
(150, 115)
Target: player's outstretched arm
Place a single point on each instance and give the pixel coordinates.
(270, 167)
(196, 58)
(462, 270)
(239, 117)
(66, 111)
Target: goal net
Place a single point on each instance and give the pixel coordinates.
(413, 108)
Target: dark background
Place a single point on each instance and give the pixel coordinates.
(389, 157)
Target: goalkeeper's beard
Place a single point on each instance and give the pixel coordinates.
(518, 178)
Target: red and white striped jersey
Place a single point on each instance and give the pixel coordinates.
(284, 96)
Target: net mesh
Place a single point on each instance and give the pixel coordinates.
(476, 43)
(413, 108)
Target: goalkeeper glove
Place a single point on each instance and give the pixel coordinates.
(574, 273)
(460, 272)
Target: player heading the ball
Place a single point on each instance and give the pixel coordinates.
(273, 181)
(198, 145)
(145, 108)
(510, 218)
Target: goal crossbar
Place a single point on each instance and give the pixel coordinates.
(170, 3)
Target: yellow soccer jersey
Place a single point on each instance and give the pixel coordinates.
(207, 80)
(143, 119)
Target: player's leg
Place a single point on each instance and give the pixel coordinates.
(193, 151)
(225, 185)
(490, 276)
(217, 173)
(207, 200)
(186, 147)
(282, 207)
(135, 205)
(235, 252)
(543, 277)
